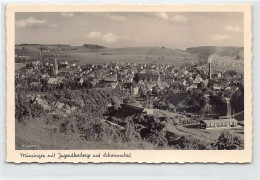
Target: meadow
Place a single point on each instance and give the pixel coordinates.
(148, 55)
(144, 55)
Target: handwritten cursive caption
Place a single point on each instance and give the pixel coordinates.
(75, 155)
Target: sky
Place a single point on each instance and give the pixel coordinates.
(131, 29)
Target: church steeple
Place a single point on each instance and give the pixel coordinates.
(55, 67)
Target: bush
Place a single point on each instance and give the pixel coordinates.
(227, 141)
(129, 99)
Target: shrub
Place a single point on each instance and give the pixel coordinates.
(227, 141)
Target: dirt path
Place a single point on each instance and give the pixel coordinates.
(200, 137)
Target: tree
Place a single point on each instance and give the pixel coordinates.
(155, 91)
(26, 109)
(87, 84)
(227, 141)
(237, 100)
(136, 78)
(143, 93)
(219, 104)
(171, 107)
(129, 99)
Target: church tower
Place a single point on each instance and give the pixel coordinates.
(55, 67)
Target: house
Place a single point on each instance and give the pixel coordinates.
(218, 123)
(185, 72)
(216, 87)
(111, 81)
(35, 84)
(169, 81)
(132, 108)
(30, 72)
(64, 62)
(79, 80)
(151, 76)
(197, 80)
(150, 86)
(193, 86)
(135, 90)
(148, 111)
(56, 81)
(94, 82)
(141, 83)
(183, 81)
(164, 84)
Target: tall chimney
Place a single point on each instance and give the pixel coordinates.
(40, 54)
(209, 71)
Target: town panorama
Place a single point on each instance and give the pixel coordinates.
(93, 96)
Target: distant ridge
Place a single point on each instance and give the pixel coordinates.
(93, 46)
(206, 51)
(97, 54)
(29, 44)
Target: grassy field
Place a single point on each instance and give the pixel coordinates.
(148, 55)
(154, 55)
(19, 66)
(229, 63)
(133, 54)
(30, 136)
(209, 134)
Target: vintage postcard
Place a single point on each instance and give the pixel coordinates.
(129, 83)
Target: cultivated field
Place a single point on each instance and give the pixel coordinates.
(148, 55)
(19, 66)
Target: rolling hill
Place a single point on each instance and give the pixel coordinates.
(206, 51)
(91, 53)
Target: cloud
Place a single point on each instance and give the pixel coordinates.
(117, 18)
(111, 38)
(107, 38)
(233, 28)
(53, 25)
(95, 34)
(34, 23)
(162, 15)
(67, 14)
(31, 22)
(180, 19)
(220, 37)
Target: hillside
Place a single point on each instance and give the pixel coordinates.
(93, 46)
(96, 54)
(206, 51)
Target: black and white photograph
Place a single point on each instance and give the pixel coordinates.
(129, 83)
(129, 80)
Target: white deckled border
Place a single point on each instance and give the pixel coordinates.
(137, 156)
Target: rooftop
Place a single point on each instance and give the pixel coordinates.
(219, 120)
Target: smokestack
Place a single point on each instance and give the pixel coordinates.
(40, 54)
(211, 58)
(209, 71)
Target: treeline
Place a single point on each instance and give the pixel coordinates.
(93, 46)
(237, 100)
(206, 51)
(26, 108)
(144, 132)
(193, 101)
(93, 101)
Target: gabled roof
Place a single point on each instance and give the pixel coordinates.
(197, 80)
(55, 80)
(219, 121)
(110, 79)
